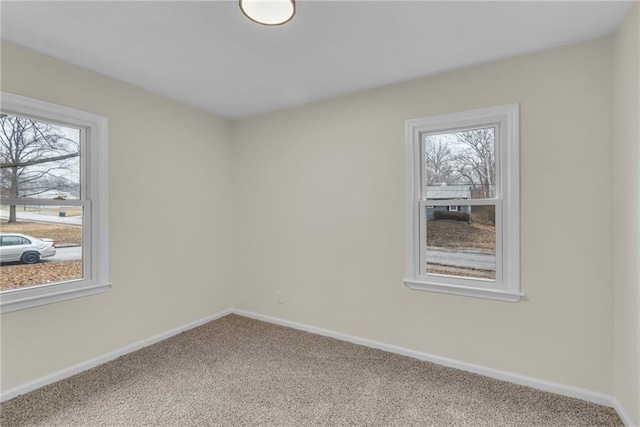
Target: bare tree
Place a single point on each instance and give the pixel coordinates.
(30, 153)
(475, 161)
(440, 166)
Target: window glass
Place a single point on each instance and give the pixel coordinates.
(462, 158)
(461, 239)
(463, 247)
(40, 161)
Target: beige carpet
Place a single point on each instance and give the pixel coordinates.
(238, 371)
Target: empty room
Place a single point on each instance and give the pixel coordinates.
(290, 213)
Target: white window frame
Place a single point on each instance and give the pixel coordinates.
(453, 208)
(95, 203)
(506, 286)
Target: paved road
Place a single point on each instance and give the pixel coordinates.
(477, 259)
(66, 254)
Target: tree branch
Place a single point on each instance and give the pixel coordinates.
(37, 161)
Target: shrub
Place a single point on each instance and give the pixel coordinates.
(484, 214)
(451, 216)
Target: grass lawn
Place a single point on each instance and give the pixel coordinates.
(476, 274)
(457, 234)
(19, 275)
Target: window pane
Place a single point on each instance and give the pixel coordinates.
(463, 242)
(461, 164)
(50, 249)
(39, 159)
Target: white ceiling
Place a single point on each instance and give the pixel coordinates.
(207, 54)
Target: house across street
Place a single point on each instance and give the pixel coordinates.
(444, 192)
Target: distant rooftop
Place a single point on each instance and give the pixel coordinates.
(448, 192)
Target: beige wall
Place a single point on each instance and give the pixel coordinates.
(170, 221)
(319, 213)
(627, 214)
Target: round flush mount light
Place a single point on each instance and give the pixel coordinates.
(269, 12)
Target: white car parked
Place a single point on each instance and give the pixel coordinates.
(20, 247)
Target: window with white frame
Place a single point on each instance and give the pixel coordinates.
(54, 204)
(462, 203)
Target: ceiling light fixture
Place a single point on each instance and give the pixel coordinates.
(269, 12)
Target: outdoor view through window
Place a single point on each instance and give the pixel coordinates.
(460, 226)
(41, 213)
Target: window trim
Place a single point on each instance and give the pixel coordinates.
(506, 287)
(97, 254)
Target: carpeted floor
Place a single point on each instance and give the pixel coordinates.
(237, 371)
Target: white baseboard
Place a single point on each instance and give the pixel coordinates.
(624, 415)
(80, 367)
(553, 387)
(557, 388)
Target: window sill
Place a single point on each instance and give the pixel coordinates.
(493, 294)
(21, 299)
